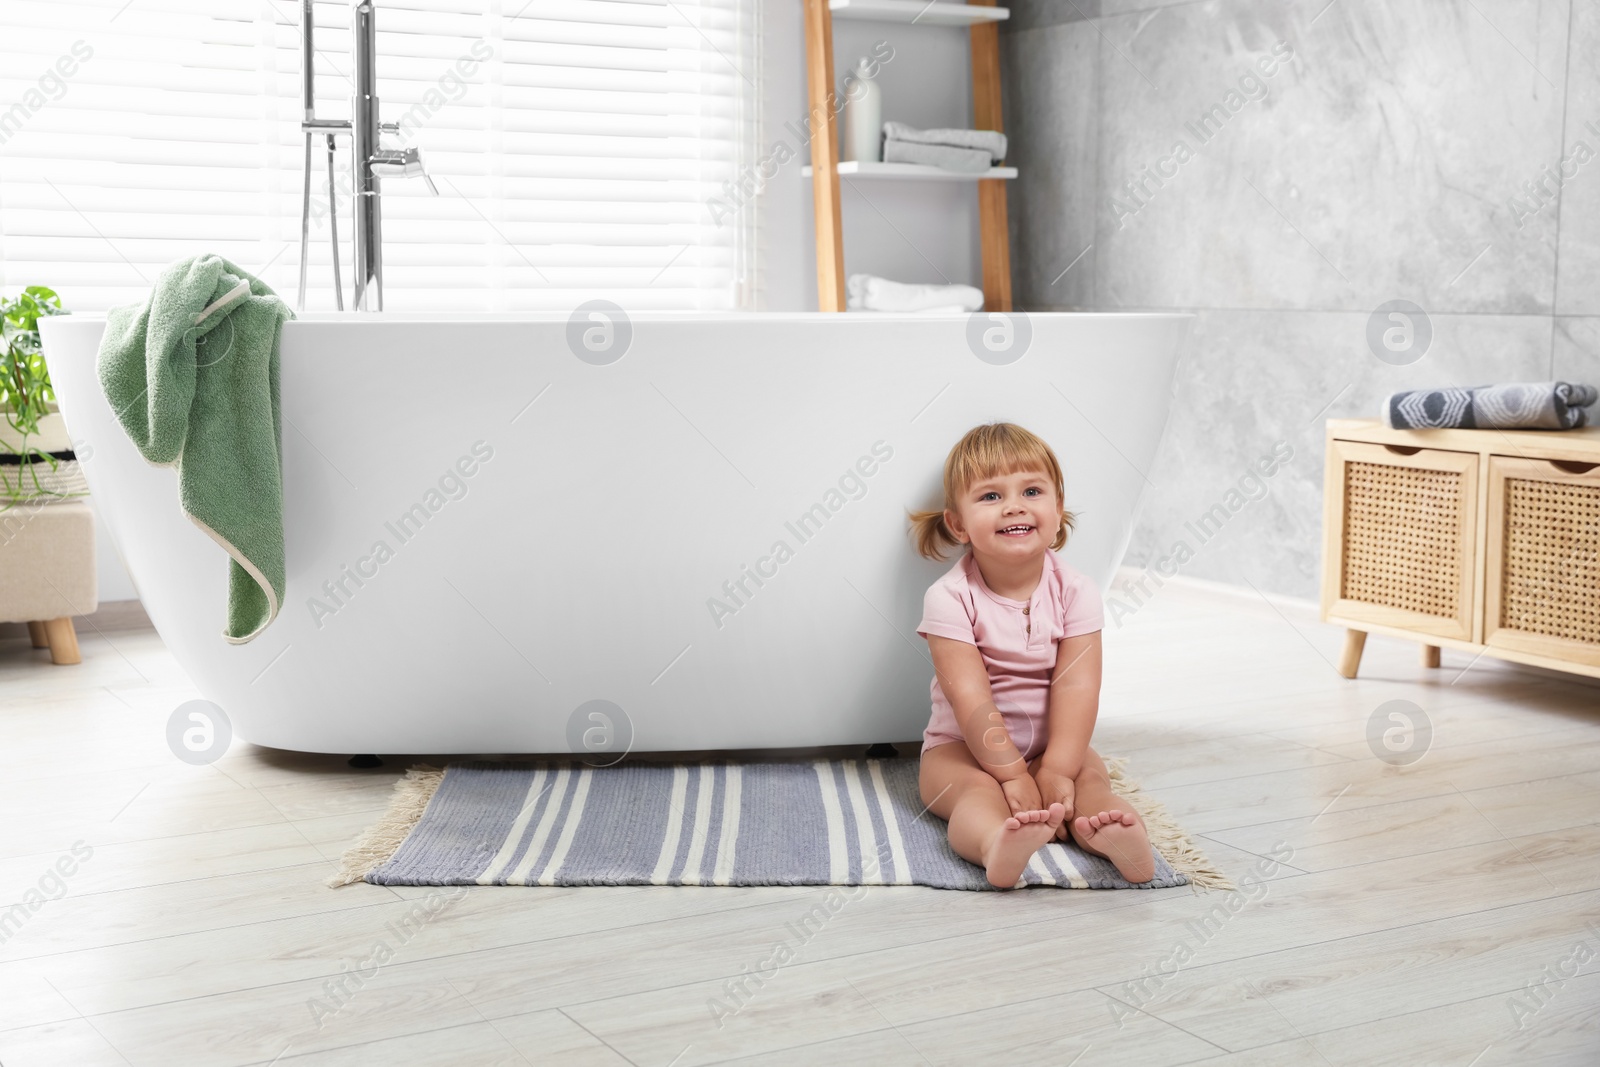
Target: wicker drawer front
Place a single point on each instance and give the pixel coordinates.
(1402, 537)
(1542, 589)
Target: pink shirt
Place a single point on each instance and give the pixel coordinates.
(1016, 638)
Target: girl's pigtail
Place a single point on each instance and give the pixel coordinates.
(1068, 520)
(931, 534)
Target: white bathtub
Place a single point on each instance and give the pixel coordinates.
(582, 559)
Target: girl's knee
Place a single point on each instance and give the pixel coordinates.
(1091, 759)
(1092, 779)
(943, 774)
(941, 794)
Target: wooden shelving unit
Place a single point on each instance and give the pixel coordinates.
(982, 20)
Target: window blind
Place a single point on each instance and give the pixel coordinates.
(580, 148)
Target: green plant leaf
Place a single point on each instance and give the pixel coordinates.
(25, 390)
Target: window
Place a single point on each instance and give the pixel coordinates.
(580, 148)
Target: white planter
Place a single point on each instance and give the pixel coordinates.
(44, 482)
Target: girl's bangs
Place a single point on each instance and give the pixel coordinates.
(993, 455)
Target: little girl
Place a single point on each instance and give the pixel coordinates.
(1015, 638)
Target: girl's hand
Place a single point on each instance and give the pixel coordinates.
(1022, 793)
(1056, 787)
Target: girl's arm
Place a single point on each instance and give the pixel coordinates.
(1074, 703)
(965, 682)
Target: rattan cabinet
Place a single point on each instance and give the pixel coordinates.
(1482, 540)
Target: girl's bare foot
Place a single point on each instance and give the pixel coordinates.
(1118, 836)
(1015, 842)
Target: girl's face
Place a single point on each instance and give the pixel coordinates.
(1009, 516)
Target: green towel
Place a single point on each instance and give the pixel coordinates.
(202, 396)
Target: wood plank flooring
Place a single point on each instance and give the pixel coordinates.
(1444, 912)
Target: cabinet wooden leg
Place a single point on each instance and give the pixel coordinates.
(36, 635)
(1430, 655)
(63, 641)
(1350, 661)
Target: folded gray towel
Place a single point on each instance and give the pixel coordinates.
(965, 160)
(1516, 406)
(991, 141)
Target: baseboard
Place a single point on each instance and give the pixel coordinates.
(1299, 609)
(110, 616)
(120, 615)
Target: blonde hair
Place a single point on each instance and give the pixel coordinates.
(986, 451)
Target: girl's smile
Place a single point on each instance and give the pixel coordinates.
(1008, 515)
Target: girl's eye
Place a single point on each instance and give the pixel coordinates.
(1033, 489)
(989, 494)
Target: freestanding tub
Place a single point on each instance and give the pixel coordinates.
(486, 533)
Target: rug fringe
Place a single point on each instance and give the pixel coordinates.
(1168, 838)
(406, 805)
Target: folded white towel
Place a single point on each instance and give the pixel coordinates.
(991, 141)
(867, 292)
(962, 160)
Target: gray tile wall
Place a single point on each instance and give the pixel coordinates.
(1334, 157)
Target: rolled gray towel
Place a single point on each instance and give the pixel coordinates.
(964, 160)
(1516, 406)
(990, 141)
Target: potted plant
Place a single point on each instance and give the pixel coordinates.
(33, 440)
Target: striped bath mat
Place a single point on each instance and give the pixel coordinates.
(820, 822)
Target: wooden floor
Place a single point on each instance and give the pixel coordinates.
(1447, 912)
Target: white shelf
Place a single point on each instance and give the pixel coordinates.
(938, 13)
(913, 172)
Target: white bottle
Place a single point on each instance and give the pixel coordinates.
(863, 116)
